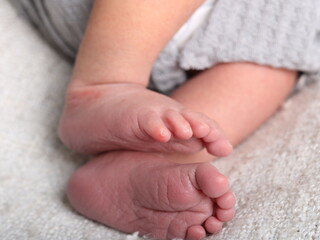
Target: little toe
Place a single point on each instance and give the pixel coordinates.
(216, 142)
(153, 125)
(195, 233)
(215, 132)
(226, 201)
(219, 148)
(178, 125)
(210, 181)
(225, 215)
(213, 225)
(198, 123)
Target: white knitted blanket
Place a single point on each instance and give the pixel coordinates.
(275, 173)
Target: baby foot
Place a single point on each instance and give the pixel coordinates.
(129, 117)
(142, 192)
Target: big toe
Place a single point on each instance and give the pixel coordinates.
(210, 181)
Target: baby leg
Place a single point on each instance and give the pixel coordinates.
(109, 108)
(239, 96)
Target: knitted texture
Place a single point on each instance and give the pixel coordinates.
(61, 22)
(278, 33)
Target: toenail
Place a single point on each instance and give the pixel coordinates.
(164, 132)
(187, 130)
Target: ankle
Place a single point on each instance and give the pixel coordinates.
(76, 93)
(84, 77)
(79, 82)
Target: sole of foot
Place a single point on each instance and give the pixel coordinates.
(141, 192)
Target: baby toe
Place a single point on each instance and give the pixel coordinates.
(216, 142)
(210, 181)
(152, 124)
(198, 123)
(195, 233)
(219, 148)
(226, 201)
(213, 225)
(178, 125)
(225, 215)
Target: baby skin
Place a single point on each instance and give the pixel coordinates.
(131, 117)
(144, 192)
(134, 183)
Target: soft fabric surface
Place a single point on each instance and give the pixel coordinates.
(275, 173)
